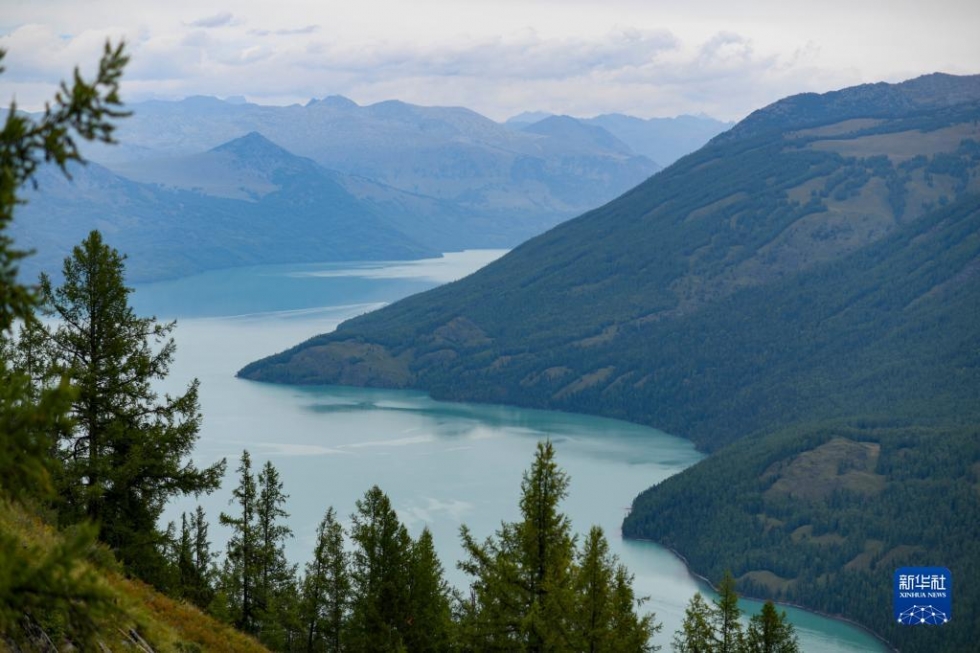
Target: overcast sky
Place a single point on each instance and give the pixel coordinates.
(647, 58)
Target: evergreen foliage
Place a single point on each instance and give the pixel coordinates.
(769, 632)
(126, 453)
(43, 584)
(605, 616)
(193, 561)
(429, 621)
(728, 636)
(716, 628)
(379, 571)
(276, 591)
(697, 630)
(530, 592)
(326, 588)
(236, 601)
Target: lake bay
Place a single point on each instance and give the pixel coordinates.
(442, 464)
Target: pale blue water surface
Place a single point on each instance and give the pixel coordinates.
(441, 464)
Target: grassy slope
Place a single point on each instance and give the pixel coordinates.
(142, 614)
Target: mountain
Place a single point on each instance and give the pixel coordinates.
(809, 277)
(450, 154)
(266, 206)
(599, 313)
(526, 118)
(243, 169)
(663, 140)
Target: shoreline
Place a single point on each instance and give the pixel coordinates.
(826, 615)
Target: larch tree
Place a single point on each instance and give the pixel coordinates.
(770, 632)
(193, 561)
(326, 589)
(729, 637)
(533, 591)
(429, 624)
(38, 582)
(275, 590)
(127, 452)
(697, 634)
(235, 600)
(379, 572)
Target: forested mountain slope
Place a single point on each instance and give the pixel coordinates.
(801, 297)
(682, 303)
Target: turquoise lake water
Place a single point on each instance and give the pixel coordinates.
(442, 464)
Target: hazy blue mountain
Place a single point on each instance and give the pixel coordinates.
(663, 140)
(799, 296)
(243, 169)
(261, 205)
(571, 135)
(526, 118)
(449, 154)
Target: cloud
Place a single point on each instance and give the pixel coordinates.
(292, 31)
(497, 58)
(223, 19)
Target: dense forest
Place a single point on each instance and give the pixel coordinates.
(823, 515)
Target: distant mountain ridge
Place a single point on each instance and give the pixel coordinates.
(663, 140)
(435, 178)
(447, 153)
(267, 206)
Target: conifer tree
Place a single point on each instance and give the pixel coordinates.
(770, 632)
(379, 572)
(35, 580)
(593, 585)
(697, 630)
(326, 588)
(236, 599)
(429, 621)
(528, 592)
(728, 629)
(127, 454)
(203, 592)
(275, 583)
(605, 618)
(192, 560)
(522, 586)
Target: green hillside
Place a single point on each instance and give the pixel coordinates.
(658, 307)
(824, 515)
(801, 296)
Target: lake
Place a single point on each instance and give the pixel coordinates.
(442, 464)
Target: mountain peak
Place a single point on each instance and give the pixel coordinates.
(881, 99)
(252, 144)
(333, 102)
(573, 131)
(528, 117)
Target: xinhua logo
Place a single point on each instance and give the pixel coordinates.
(923, 596)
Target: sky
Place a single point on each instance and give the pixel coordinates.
(648, 58)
